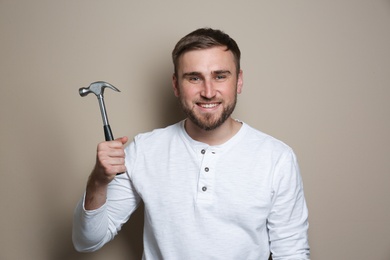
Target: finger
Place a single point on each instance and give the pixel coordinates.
(113, 156)
(115, 161)
(110, 165)
(115, 152)
(115, 169)
(105, 146)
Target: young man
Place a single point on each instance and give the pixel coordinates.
(213, 187)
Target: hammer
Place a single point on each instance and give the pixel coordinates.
(98, 89)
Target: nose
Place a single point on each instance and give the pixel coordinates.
(208, 90)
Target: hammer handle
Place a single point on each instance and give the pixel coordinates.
(108, 133)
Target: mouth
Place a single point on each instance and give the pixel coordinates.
(208, 105)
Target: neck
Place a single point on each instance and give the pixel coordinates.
(213, 137)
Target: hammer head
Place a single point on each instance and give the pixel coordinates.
(97, 88)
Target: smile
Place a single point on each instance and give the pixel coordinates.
(209, 105)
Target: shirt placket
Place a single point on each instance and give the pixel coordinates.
(206, 183)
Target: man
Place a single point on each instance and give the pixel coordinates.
(213, 187)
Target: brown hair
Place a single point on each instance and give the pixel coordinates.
(205, 38)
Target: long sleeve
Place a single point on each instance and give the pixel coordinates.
(94, 228)
(90, 228)
(288, 220)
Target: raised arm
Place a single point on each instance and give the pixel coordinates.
(108, 201)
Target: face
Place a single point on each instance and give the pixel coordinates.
(207, 85)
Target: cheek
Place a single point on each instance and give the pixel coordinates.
(185, 98)
(187, 92)
(231, 93)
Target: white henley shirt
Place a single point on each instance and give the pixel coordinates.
(239, 200)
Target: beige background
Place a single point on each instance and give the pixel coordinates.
(317, 76)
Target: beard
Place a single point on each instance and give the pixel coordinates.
(208, 121)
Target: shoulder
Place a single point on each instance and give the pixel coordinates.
(264, 140)
(152, 143)
(257, 144)
(159, 135)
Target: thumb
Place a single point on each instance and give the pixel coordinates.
(123, 139)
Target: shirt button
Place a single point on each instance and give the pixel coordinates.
(206, 169)
(204, 188)
(203, 151)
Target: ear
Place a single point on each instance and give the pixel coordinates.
(240, 82)
(175, 85)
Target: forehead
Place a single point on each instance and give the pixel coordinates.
(205, 60)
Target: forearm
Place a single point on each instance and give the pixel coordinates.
(96, 194)
(93, 228)
(108, 201)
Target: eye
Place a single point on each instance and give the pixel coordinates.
(194, 79)
(220, 77)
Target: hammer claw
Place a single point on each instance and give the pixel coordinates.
(98, 89)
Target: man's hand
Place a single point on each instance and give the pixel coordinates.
(110, 160)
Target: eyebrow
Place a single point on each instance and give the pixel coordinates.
(196, 73)
(221, 72)
(193, 73)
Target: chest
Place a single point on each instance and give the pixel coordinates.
(177, 184)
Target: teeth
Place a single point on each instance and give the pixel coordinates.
(208, 105)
